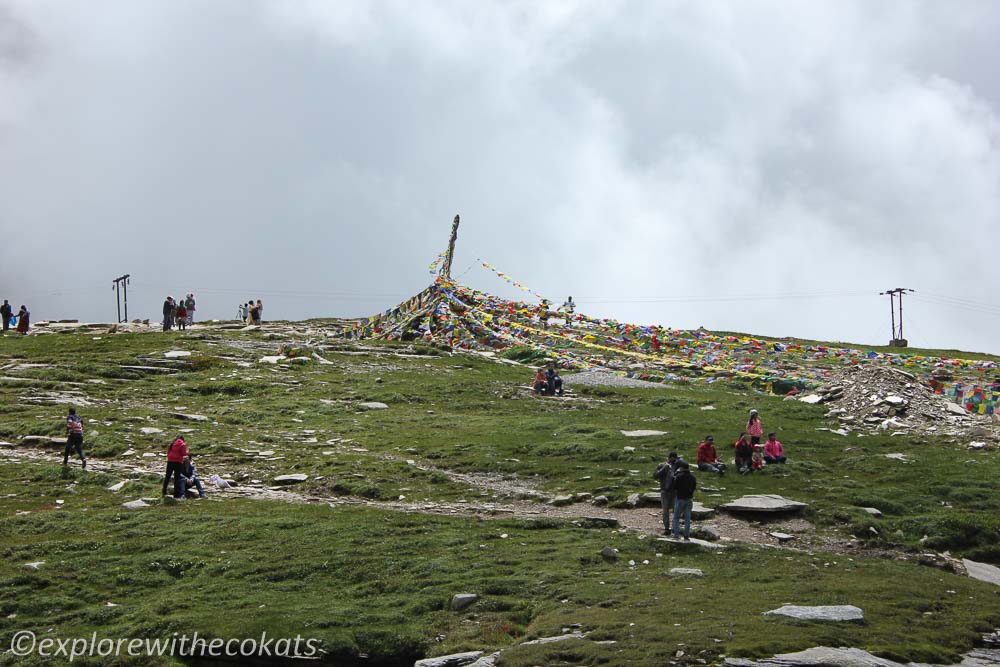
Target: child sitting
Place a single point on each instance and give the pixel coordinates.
(757, 458)
(540, 385)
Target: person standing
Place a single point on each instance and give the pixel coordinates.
(167, 308)
(260, 311)
(668, 494)
(684, 486)
(74, 439)
(189, 305)
(176, 453)
(23, 320)
(754, 428)
(181, 315)
(6, 312)
(241, 312)
(250, 312)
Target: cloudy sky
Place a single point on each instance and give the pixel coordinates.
(744, 165)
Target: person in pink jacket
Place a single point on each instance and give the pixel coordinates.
(754, 428)
(773, 451)
(176, 453)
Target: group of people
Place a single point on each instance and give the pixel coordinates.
(677, 484)
(250, 312)
(749, 453)
(22, 320)
(547, 381)
(179, 313)
(180, 466)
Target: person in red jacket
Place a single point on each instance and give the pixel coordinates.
(176, 453)
(708, 460)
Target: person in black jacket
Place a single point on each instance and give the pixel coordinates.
(5, 312)
(684, 485)
(168, 313)
(665, 476)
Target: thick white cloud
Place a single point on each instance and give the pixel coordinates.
(627, 153)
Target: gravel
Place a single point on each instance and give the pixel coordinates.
(607, 379)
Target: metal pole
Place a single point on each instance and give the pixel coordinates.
(125, 293)
(892, 312)
(118, 301)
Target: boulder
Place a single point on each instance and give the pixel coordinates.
(600, 501)
(285, 480)
(764, 503)
(609, 553)
(836, 613)
(642, 433)
(982, 571)
(372, 405)
(710, 533)
(462, 600)
(453, 660)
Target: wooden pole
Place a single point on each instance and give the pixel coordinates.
(446, 266)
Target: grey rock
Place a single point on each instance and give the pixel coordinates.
(982, 571)
(699, 511)
(710, 533)
(691, 571)
(118, 487)
(372, 405)
(837, 613)
(693, 542)
(642, 433)
(873, 511)
(597, 522)
(190, 418)
(285, 480)
(609, 553)
(552, 640)
(600, 501)
(149, 430)
(487, 660)
(649, 500)
(782, 537)
(764, 503)
(633, 500)
(170, 500)
(135, 504)
(460, 601)
(559, 501)
(820, 656)
(36, 565)
(453, 660)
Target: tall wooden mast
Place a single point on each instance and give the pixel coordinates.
(446, 266)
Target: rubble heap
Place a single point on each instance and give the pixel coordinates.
(877, 397)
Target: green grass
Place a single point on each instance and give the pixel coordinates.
(372, 582)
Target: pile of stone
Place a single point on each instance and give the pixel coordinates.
(877, 397)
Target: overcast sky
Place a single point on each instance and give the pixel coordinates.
(746, 165)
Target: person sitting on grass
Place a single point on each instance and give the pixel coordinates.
(684, 485)
(189, 478)
(757, 458)
(553, 380)
(773, 451)
(541, 384)
(744, 453)
(708, 460)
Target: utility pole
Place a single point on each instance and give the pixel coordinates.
(897, 332)
(122, 284)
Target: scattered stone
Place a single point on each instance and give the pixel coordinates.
(982, 571)
(35, 565)
(560, 501)
(782, 537)
(175, 354)
(597, 522)
(629, 450)
(551, 640)
(699, 511)
(285, 480)
(820, 656)
(609, 554)
(642, 433)
(135, 504)
(896, 456)
(692, 571)
(600, 501)
(453, 660)
(118, 487)
(170, 500)
(812, 399)
(149, 430)
(764, 503)
(873, 511)
(462, 600)
(372, 405)
(191, 418)
(837, 613)
(710, 533)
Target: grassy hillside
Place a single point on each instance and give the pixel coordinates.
(371, 580)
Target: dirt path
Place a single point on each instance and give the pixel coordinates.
(644, 520)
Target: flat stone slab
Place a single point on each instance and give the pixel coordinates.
(284, 480)
(552, 640)
(763, 503)
(372, 405)
(149, 430)
(690, 571)
(190, 418)
(837, 613)
(820, 656)
(873, 511)
(699, 511)
(135, 504)
(118, 487)
(453, 660)
(982, 571)
(694, 541)
(782, 537)
(176, 354)
(642, 433)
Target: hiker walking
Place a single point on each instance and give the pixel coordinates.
(175, 460)
(23, 320)
(74, 439)
(6, 312)
(664, 474)
(684, 485)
